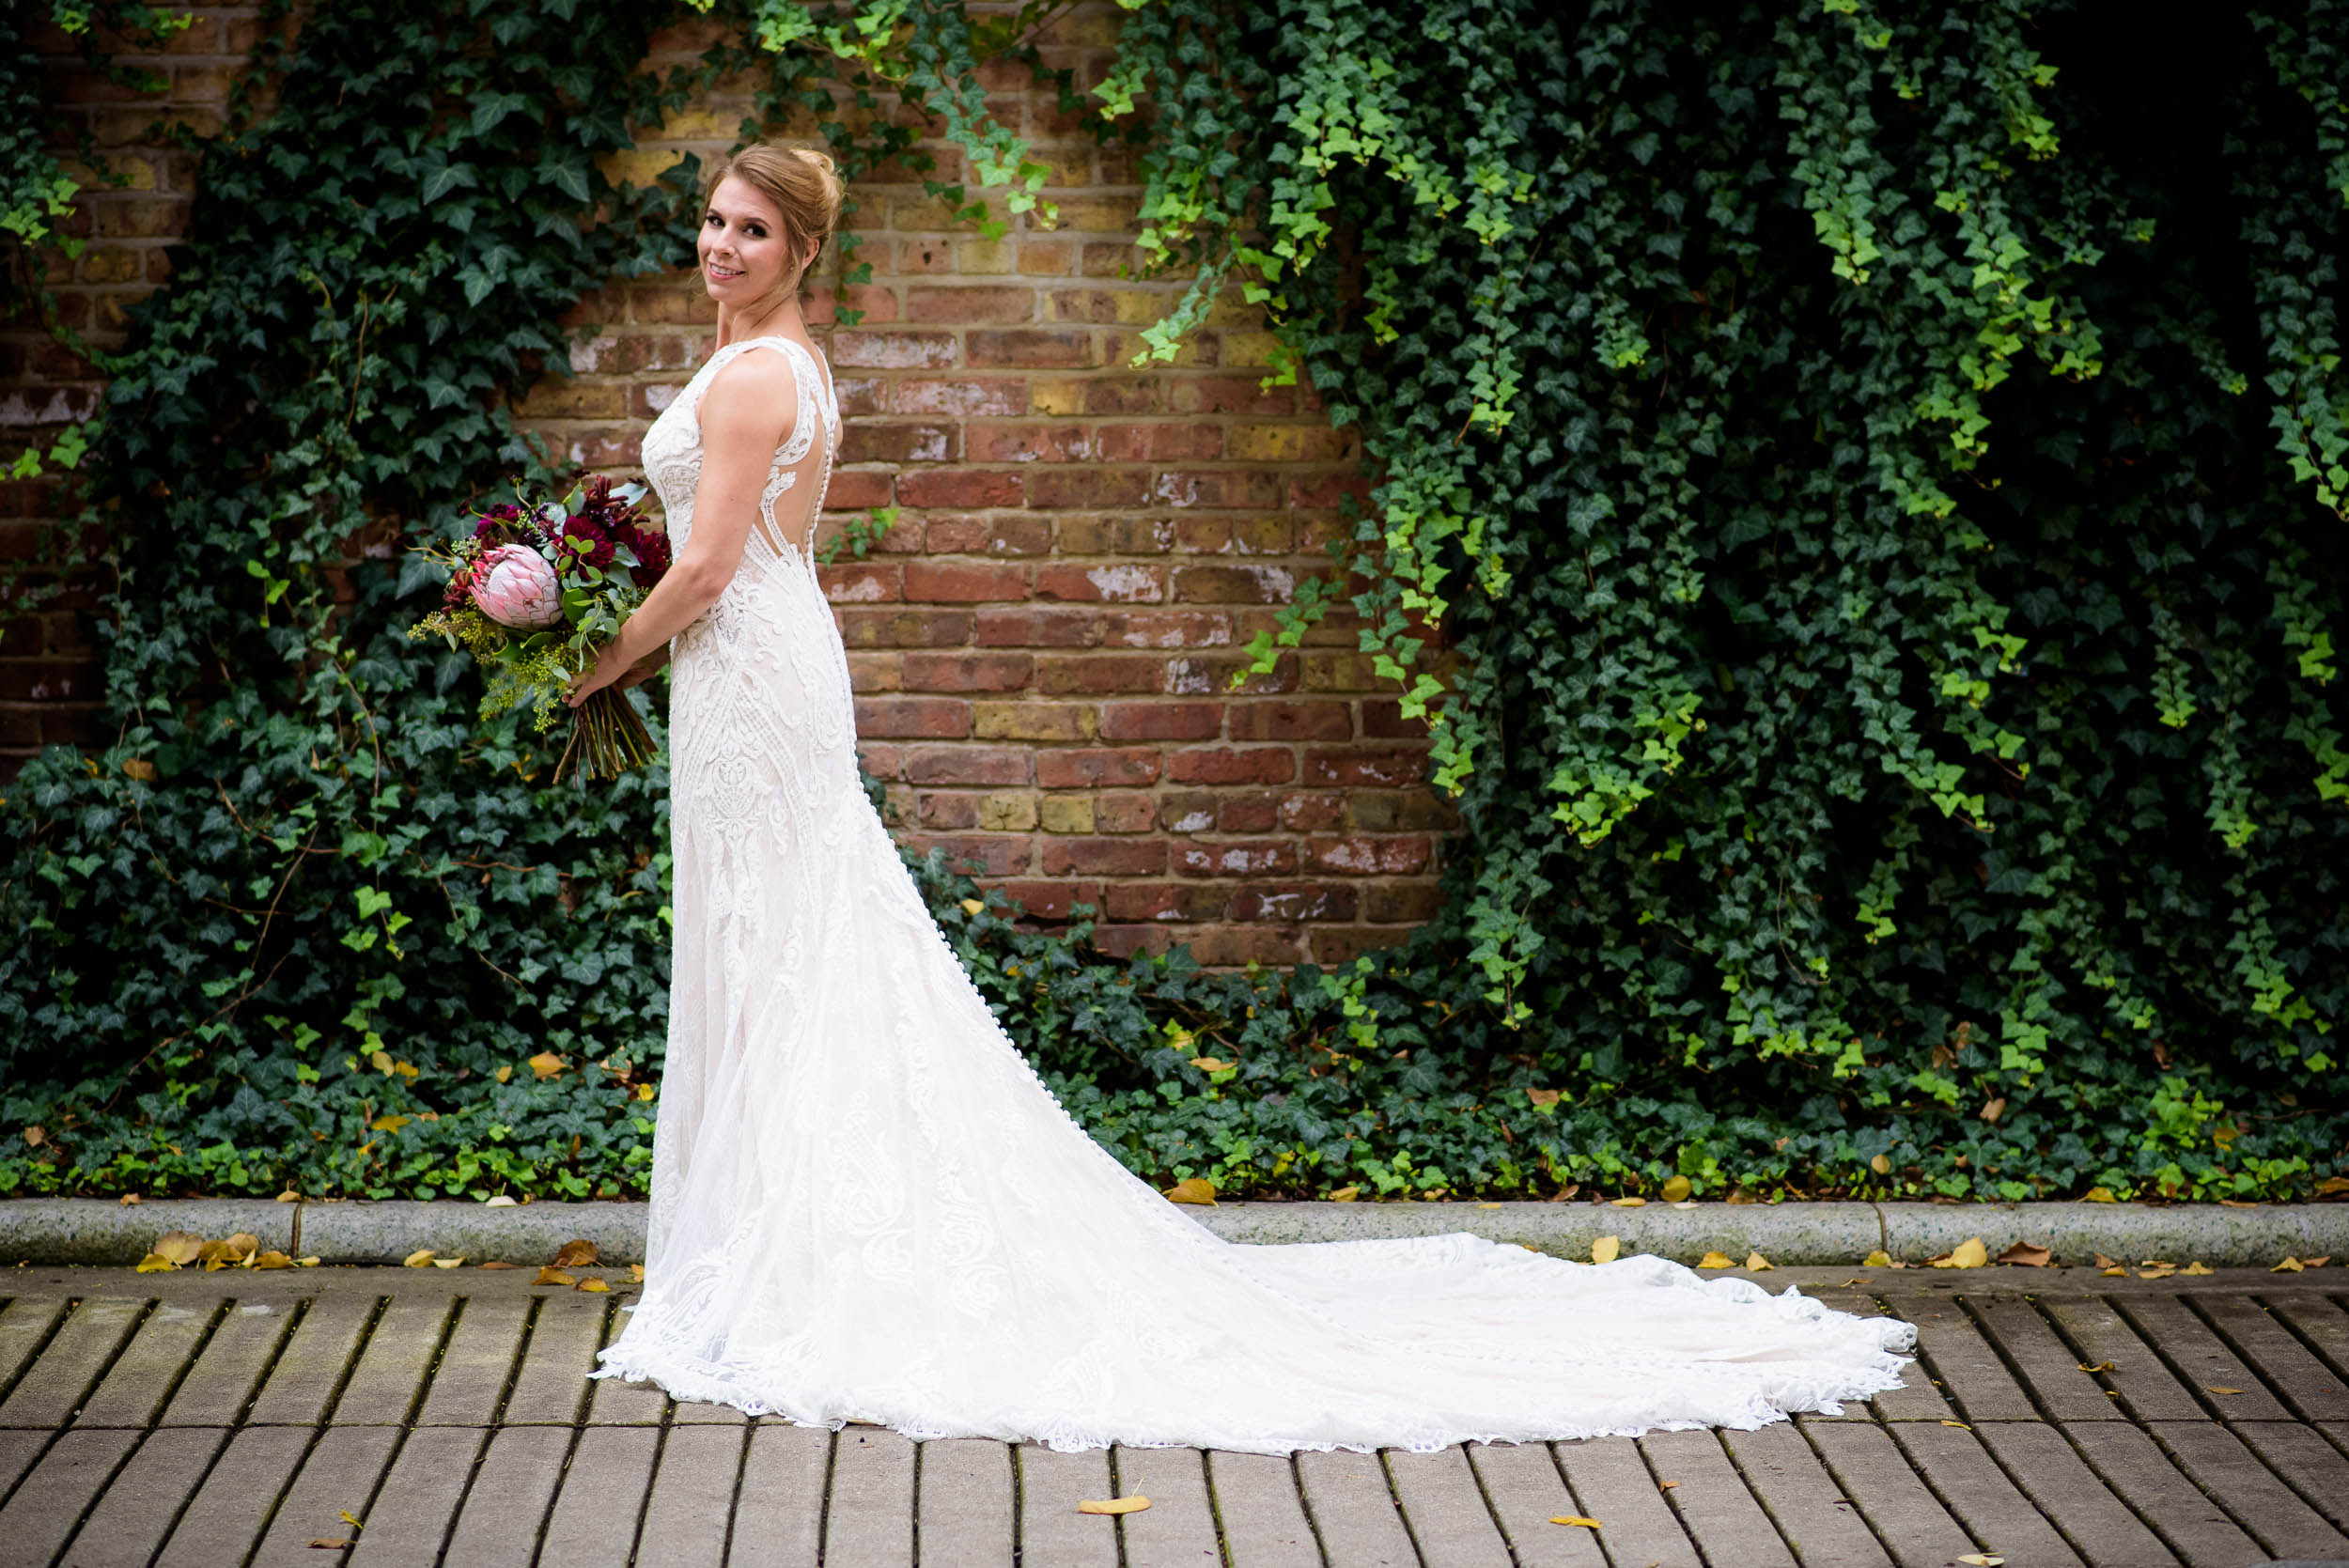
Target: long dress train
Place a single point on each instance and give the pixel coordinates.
(866, 1206)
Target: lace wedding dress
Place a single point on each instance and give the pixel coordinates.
(866, 1206)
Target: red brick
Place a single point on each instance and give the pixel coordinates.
(1039, 349)
(1268, 765)
(1167, 442)
(893, 350)
(1323, 493)
(1312, 812)
(1289, 903)
(939, 718)
(904, 628)
(868, 442)
(967, 672)
(1266, 584)
(990, 536)
(1367, 857)
(1263, 857)
(881, 758)
(1160, 720)
(969, 303)
(1184, 900)
(976, 854)
(963, 581)
(969, 765)
(1382, 719)
(1397, 903)
(1096, 767)
(1229, 488)
(1124, 581)
(980, 398)
(1124, 813)
(1086, 488)
(949, 811)
(1103, 857)
(1333, 946)
(1275, 720)
(1251, 813)
(1096, 674)
(1356, 767)
(1124, 941)
(1050, 900)
(859, 490)
(1168, 628)
(1028, 628)
(1397, 811)
(1230, 394)
(1027, 444)
(863, 582)
(874, 672)
(1123, 394)
(1225, 945)
(1186, 812)
(959, 488)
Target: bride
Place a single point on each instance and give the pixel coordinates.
(866, 1206)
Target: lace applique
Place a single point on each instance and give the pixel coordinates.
(867, 1206)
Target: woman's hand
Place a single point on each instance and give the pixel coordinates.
(645, 668)
(607, 670)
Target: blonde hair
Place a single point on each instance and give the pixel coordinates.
(802, 182)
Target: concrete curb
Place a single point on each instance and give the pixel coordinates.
(96, 1231)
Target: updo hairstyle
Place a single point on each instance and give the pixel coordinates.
(802, 182)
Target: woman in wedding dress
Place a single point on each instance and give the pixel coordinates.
(866, 1204)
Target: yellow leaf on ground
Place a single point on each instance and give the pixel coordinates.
(179, 1247)
(1195, 1189)
(447, 1263)
(272, 1259)
(1960, 1425)
(2331, 1185)
(155, 1263)
(644, 1091)
(2097, 1366)
(505, 1073)
(1877, 1259)
(2217, 1389)
(2116, 1271)
(1582, 1520)
(1113, 1505)
(1345, 1194)
(545, 1064)
(2290, 1265)
(636, 1272)
(1543, 1098)
(1209, 1064)
(2317, 1263)
(331, 1543)
(1676, 1190)
(310, 1262)
(972, 906)
(554, 1277)
(1881, 1165)
(2103, 1262)
(1981, 1560)
(578, 1252)
(346, 1516)
(501, 1265)
(389, 1124)
(380, 1060)
(290, 1196)
(417, 1259)
(130, 1198)
(139, 769)
(1757, 1262)
(1666, 1486)
(1607, 1249)
(1629, 1202)
(1739, 1195)
(1715, 1260)
(591, 1284)
(2197, 1266)
(502, 1201)
(2098, 1195)
(1969, 1253)
(2027, 1254)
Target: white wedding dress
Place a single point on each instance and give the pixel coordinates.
(866, 1206)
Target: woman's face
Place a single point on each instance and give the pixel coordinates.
(745, 254)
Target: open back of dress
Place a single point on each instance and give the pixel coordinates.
(866, 1206)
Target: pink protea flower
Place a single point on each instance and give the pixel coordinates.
(514, 587)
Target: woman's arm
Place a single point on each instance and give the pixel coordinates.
(744, 413)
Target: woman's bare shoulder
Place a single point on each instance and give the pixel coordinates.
(752, 393)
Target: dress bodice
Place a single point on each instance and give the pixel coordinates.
(672, 446)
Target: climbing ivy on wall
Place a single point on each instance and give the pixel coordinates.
(1858, 503)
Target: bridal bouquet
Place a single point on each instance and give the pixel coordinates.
(536, 592)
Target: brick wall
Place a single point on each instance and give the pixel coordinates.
(1042, 643)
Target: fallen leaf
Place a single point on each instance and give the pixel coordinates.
(2156, 1272)
(504, 1073)
(1194, 1189)
(972, 906)
(1489, 1205)
(179, 1247)
(2238, 1203)
(2290, 1265)
(2197, 1266)
(2098, 1195)
(290, 1196)
(1113, 1505)
(1543, 1097)
(591, 1284)
(1757, 1262)
(503, 1201)
(227, 1251)
(636, 1272)
(645, 1090)
(545, 1064)
(2103, 1262)
(2116, 1271)
(310, 1262)
(382, 1062)
(331, 1543)
(1969, 1253)
(2316, 1262)
(1676, 1189)
(501, 1265)
(389, 1124)
(346, 1516)
(417, 1259)
(578, 1252)
(1685, 1204)
(139, 769)
(1881, 1165)
(1582, 1520)
(1607, 1249)
(1993, 1109)
(155, 1263)
(1345, 1194)
(1629, 1202)
(1877, 1259)
(1960, 1425)
(1666, 1486)
(1211, 1064)
(447, 1263)
(2331, 1185)
(2027, 1254)
(272, 1259)
(130, 1198)
(1715, 1260)
(2097, 1366)
(1739, 1195)
(2213, 1387)
(1981, 1560)
(1862, 1280)
(551, 1276)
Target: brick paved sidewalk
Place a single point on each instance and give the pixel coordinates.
(231, 1417)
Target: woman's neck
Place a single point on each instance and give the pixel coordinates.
(762, 318)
